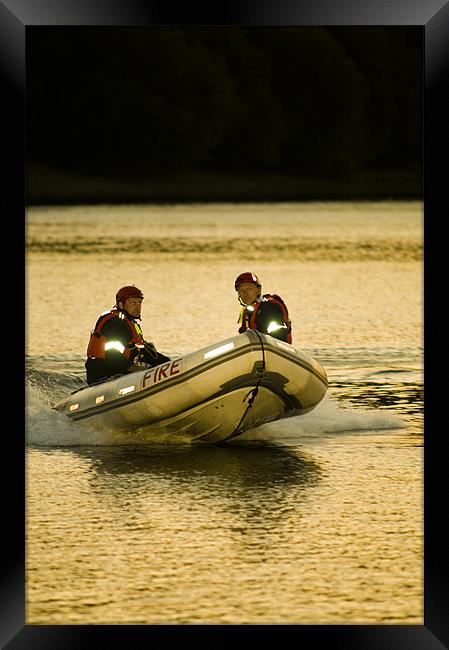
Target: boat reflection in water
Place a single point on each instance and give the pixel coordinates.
(234, 485)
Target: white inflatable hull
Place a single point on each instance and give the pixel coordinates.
(211, 395)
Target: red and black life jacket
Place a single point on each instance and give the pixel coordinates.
(249, 318)
(96, 348)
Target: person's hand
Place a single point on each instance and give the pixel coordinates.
(137, 367)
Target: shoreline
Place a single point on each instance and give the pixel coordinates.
(47, 186)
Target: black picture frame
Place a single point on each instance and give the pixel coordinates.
(18, 15)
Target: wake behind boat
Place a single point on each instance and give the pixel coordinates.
(211, 395)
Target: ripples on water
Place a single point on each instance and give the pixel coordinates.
(311, 231)
(316, 519)
(160, 533)
(317, 249)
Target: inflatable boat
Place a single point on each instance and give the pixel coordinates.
(211, 395)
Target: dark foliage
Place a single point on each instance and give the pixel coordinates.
(153, 100)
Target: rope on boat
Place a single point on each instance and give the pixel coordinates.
(253, 392)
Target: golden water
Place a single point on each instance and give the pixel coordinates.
(322, 525)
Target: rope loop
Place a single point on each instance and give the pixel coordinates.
(253, 392)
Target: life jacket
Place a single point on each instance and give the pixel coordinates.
(96, 348)
(248, 317)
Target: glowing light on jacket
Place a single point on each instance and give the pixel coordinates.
(114, 345)
(273, 327)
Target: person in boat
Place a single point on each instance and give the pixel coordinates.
(116, 344)
(266, 313)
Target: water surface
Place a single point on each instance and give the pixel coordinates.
(316, 519)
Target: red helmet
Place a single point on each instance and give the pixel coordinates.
(126, 292)
(246, 277)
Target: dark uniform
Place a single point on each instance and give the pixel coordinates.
(268, 316)
(115, 345)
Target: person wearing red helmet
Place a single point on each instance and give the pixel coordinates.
(266, 313)
(116, 344)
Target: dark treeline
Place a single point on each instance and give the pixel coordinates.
(303, 100)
